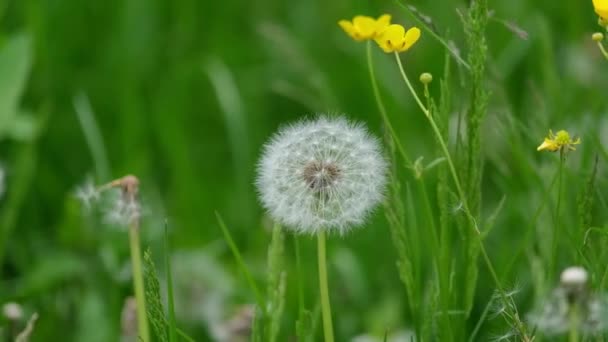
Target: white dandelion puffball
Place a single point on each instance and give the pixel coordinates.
(574, 277)
(326, 173)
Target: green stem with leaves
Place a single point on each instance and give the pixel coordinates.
(461, 194)
(328, 329)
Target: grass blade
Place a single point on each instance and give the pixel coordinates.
(239, 260)
(172, 321)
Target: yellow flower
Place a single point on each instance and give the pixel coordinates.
(601, 8)
(364, 27)
(558, 142)
(395, 39)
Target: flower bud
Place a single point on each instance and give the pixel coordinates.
(597, 37)
(426, 78)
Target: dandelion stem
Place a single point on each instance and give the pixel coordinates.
(461, 195)
(299, 275)
(381, 107)
(138, 281)
(324, 288)
(574, 323)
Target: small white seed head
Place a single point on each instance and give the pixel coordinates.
(12, 311)
(574, 277)
(326, 173)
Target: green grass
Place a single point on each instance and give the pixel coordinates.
(184, 93)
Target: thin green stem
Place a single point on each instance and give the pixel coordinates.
(381, 107)
(138, 282)
(461, 194)
(602, 49)
(324, 288)
(409, 85)
(556, 225)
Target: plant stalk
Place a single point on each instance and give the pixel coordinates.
(461, 194)
(324, 288)
(138, 281)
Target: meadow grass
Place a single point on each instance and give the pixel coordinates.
(469, 243)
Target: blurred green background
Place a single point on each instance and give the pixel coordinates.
(184, 93)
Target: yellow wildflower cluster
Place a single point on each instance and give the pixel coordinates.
(389, 37)
(561, 141)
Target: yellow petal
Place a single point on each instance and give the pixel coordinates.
(392, 38)
(382, 23)
(348, 27)
(601, 8)
(548, 145)
(411, 37)
(365, 26)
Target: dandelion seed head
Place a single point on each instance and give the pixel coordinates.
(574, 277)
(325, 173)
(123, 211)
(12, 311)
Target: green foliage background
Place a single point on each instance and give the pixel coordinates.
(186, 92)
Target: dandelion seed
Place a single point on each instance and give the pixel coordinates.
(87, 194)
(457, 208)
(335, 189)
(395, 39)
(124, 210)
(508, 336)
(364, 27)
